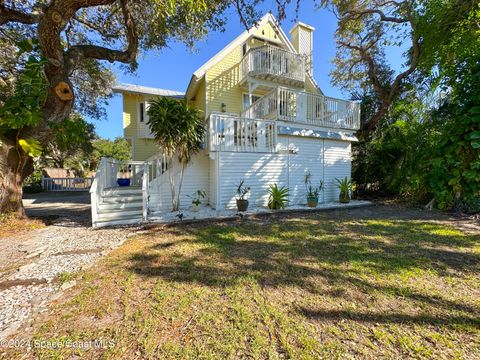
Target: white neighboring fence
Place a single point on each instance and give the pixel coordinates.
(66, 184)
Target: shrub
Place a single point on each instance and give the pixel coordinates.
(277, 197)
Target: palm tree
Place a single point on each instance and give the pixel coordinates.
(179, 130)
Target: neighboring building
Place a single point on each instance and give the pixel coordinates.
(268, 122)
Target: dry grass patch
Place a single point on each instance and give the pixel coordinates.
(11, 225)
(345, 284)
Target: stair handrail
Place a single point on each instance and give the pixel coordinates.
(249, 112)
(96, 189)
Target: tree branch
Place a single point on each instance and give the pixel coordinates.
(357, 14)
(12, 15)
(77, 52)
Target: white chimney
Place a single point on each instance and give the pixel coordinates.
(302, 40)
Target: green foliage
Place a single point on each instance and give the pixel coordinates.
(344, 185)
(31, 147)
(197, 197)
(24, 107)
(179, 130)
(33, 183)
(312, 191)
(435, 155)
(277, 197)
(118, 149)
(71, 146)
(451, 38)
(242, 190)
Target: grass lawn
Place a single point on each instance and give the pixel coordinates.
(363, 283)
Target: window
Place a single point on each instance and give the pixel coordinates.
(246, 100)
(141, 114)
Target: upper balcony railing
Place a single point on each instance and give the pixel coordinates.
(270, 62)
(227, 133)
(301, 107)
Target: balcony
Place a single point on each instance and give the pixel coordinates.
(290, 105)
(229, 133)
(274, 64)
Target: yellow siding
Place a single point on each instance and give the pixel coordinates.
(223, 78)
(267, 31)
(142, 148)
(200, 98)
(222, 83)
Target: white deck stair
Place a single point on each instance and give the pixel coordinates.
(120, 205)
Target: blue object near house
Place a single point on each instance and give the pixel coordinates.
(123, 182)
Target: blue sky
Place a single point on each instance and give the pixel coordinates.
(173, 66)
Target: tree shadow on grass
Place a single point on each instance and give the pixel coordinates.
(315, 249)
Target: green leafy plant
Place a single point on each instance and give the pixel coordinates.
(312, 191)
(179, 130)
(345, 187)
(242, 190)
(277, 197)
(197, 197)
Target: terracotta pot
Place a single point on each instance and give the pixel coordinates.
(242, 204)
(312, 201)
(195, 207)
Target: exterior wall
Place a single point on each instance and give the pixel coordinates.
(337, 158)
(213, 181)
(142, 149)
(223, 78)
(196, 177)
(222, 84)
(324, 159)
(201, 99)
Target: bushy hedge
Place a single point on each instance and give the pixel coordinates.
(433, 156)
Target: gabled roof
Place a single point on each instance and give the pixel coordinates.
(267, 18)
(144, 90)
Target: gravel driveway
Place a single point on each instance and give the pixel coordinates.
(36, 267)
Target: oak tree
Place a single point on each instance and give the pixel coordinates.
(75, 40)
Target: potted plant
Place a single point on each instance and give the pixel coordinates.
(242, 191)
(313, 192)
(123, 182)
(277, 197)
(196, 199)
(345, 186)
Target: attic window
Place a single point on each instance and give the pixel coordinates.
(244, 48)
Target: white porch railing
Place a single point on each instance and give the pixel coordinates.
(108, 172)
(66, 184)
(229, 133)
(99, 184)
(273, 61)
(302, 107)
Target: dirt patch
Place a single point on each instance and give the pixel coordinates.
(21, 282)
(79, 252)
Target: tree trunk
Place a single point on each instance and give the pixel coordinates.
(15, 166)
(182, 171)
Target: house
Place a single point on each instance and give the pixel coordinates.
(267, 119)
